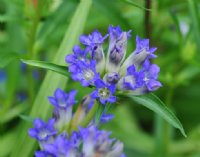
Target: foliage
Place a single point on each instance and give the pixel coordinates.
(36, 37)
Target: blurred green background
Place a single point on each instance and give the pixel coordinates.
(32, 29)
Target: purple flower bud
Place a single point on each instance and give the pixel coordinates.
(117, 48)
(111, 78)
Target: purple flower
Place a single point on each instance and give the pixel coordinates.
(63, 100)
(117, 48)
(63, 103)
(92, 39)
(132, 80)
(98, 143)
(94, 43)
(151, 75)
(43, 154)
(78, 54)
(62, 147)
(142, 52)
(104, 92)
(128, 75)
(85, 73)
(43, 132)
(143, 44)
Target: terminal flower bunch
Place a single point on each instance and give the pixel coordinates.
(74, 132)
(56, 139)
(110, 71)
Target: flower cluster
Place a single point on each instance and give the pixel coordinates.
(56, 140)
(113, 72)
(76, 134)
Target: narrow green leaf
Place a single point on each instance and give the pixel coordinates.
(25, 146)
(152, 102)
(13, 112)
(135, 5)
(6, 58)
(26, 118)
(193, 8)
(49, 66)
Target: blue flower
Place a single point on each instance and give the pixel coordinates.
(43, 132)
(151, 75)
(126, 74)
(132, 80)
(63, 103)
(62, 147)
(93, 43)
(98, 143)
(85, 73)
(78, 54)
(43, 154)
(63, 100)
(104, 92)
(141, 53)
(92, 39)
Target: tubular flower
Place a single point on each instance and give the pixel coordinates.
(56, 140)
(133, 73)
(86, 142)
(43, 132)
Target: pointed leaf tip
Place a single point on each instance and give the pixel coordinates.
(153, 103)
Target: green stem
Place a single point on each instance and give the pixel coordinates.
(31, 44)
(163, 130)
(84, 123)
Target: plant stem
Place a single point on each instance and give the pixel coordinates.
(163, 130)
(147, 19)
(31, 44)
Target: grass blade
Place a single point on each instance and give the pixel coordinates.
(25, 145)
(49, 66)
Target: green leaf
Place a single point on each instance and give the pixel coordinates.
(25, 146)
(6, 58)
(13, 112)
(193, 8)
(49, 66)
(135, 5)
(26, 118)
(152, 102)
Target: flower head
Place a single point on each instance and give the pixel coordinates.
(104, 92)
(151, 74)
(63, 103)
(130, 74)
(42, 131)
(85, 72)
